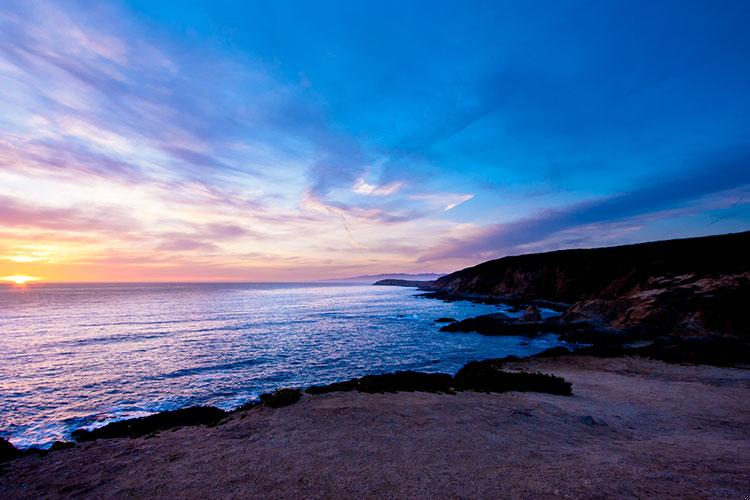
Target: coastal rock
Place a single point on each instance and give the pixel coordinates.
(499, 324)
(591, 421)
(552, 352)
(400, 381)
(491, 324)
(252, 404)
(136, 427)
(407, 381)
(531, 314)
(281, 398)
(7, 451)
(348, 385)
(488, 376)
(445, 320)
(61, 445)
(720, 351)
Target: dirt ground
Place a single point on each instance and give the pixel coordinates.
(633, 428)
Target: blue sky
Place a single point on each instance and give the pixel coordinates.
(282, 140)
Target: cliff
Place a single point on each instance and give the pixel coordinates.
(689, 289)
(574, 275)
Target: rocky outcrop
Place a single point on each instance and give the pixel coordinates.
(400, 381)
(8, 451)
(281, 398)
(485, 376)
(407, 381)
(680, 289)
(471, 377)
(136, 427)
(500, 325)
(531, 313)
(489, 376)
(61, 445)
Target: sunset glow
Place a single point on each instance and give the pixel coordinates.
(19, 280)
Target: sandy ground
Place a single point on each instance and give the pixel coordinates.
(634, 428)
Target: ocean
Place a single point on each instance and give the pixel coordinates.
(82, 355)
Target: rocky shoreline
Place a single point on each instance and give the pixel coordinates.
(623, 310)
(484, 376)
(677, 301)
(633, 427)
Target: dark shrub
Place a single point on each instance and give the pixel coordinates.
(7, 450)
(334, 387)
(405, 381)
(61, 445)
(487, 376)
(280, 398)
(135, 427)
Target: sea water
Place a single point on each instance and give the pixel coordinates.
(81, 355)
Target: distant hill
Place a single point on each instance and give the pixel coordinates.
(372, 278)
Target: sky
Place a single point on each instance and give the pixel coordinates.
(284, 141)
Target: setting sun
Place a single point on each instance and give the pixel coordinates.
(19, 279)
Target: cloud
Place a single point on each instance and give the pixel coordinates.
(454, 204)
(720, 173)
(361, 186)
(442, 201)
(15, 213)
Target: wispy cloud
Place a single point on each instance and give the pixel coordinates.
(454, 204)
(361, 186)
(721, 172)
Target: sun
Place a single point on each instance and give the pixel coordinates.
(19, 279)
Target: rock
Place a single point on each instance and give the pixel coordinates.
(712, 350)
(531, 314)
(61, 445)
(348, 385)
(488, 376)
(445, 320)
(8, 451)
(501, 325)
(591, 421)
(408, 381)
(136, 427)
(552, 352)
(247, 406)
(281, 398)
(488, 324)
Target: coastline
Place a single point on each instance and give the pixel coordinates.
(657, 369)
(633, 427)
(481, 375)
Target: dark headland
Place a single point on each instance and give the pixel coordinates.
(679, 300)
(651, 400)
